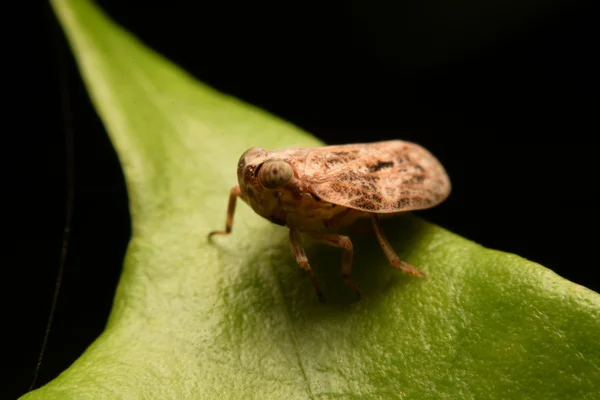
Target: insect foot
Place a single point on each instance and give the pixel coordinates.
(408, 269)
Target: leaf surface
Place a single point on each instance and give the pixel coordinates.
(238, 319)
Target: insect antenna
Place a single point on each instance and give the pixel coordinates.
(60, 48)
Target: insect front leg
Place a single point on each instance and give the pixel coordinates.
(301, 259)
(344, 243)
(389, 251)
(233, 195)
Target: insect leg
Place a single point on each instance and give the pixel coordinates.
(233, 195)
(301, 259)
(342, 242)
(389, 251)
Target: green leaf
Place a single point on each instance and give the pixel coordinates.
(238, 319)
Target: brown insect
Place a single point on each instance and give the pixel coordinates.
(317, 190)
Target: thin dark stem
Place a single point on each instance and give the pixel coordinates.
(69, 203)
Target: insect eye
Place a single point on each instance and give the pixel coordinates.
(274, 174)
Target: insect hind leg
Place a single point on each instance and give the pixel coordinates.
(389, 251)
(344, 243)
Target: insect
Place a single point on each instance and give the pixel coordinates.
(318, 190)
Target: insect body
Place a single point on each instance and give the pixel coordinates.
(317, 190)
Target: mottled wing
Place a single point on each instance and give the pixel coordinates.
(383, 177)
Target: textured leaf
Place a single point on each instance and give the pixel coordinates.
(238, 319)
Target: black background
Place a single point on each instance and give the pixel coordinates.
(501, 94)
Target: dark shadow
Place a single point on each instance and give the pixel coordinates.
(371, 270)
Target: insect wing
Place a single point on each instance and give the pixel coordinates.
(383, 177)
